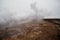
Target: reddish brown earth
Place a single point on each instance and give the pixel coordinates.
(33, 30)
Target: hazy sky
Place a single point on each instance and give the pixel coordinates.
(22, 8)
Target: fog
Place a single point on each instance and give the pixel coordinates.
(11, 10)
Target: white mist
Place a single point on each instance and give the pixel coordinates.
(11, 10)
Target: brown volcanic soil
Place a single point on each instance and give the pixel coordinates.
(33, 30)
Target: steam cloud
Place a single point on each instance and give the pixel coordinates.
(15, 11)
(12, 18)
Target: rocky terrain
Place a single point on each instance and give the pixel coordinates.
(42, 30)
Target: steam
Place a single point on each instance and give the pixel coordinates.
(35, 15)
(20, 11)
(10, 18)
(38, 15)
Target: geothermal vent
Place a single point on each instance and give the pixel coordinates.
(29, 27)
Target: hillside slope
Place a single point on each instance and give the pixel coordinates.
(43, 30)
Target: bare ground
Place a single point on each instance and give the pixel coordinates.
(33, 30)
